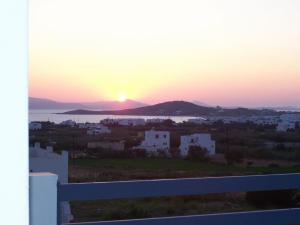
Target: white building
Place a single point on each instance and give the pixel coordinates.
(124, 122)
(285, 126)
(45, 160)
(288, 122)
(131, 122)
(81, 125)
(35, 126)
(109, 121)
(200, 140)
(155, 121)
(98, 130)
(156, 141)
(69, 123)
(198, 121)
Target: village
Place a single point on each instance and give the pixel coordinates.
(164, 137)
(135, 148)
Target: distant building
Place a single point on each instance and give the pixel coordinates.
(131, 122)
(35, 126)
(98, 130)
(69, 123)
(155, 121)
(285, 126)
(200, 140)
(198, 121)
(156, 141)
(109, 121)
(45, 160)
(81, 125)
(124, 122)
(115, 146)
(288, 122)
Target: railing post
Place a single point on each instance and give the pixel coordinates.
(43, 198)
(58, 205)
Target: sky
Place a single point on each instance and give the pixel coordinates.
(221, 52)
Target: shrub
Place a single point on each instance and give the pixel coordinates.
(234, 156)
(281, 198)
(197, 153)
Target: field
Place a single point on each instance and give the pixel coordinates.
(92, 170)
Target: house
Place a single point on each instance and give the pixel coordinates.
(131, 122)
(200, 140)
(45, 160)
(98, 130)
(115, 146)
(81, 125)
(155, 121)
(109, 121)
(35, 126)
(288, 122)
(285, 126)
(69, 123)
(198, 121)
(156, 141)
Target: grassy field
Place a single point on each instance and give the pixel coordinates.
(91, 170)
(84, 170)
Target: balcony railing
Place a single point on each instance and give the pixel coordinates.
(190, 186)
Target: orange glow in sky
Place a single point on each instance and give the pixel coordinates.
(221, 52)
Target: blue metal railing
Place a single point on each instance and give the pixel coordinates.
(190, 186)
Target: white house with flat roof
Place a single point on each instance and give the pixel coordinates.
(198, 121)
(131, 122)
(155, 121)
(69, 123)
(285, 126)
(200, 140)
(288, 122)
(156, 141)
(98, 130)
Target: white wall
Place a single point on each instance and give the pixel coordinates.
(57, 165)
(43, 199)
(14, 193)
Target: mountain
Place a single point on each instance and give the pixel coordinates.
(201, 103)
(41, 103)
(178, 108)
(113, 105)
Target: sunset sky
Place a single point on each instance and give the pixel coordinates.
(221, 52)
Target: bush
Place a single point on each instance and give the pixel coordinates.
(282, 198)
(197, 153)
(108, 153)
(234, 156)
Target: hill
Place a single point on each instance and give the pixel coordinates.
(178, 108)
(41, 103)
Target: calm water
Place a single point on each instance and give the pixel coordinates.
(49, 115)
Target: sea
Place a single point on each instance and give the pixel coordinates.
(53, 116)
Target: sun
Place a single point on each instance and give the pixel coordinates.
(122, 98)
